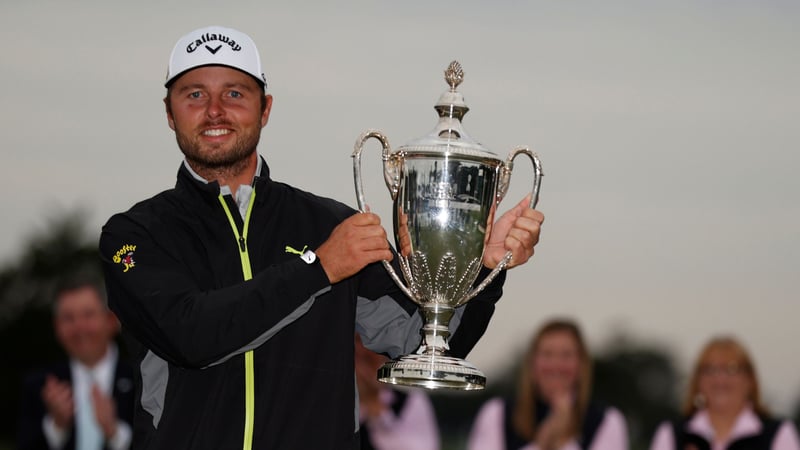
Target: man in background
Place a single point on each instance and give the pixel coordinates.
(85, 402)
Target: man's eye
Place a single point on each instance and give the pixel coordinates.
(236, 94)
(195, 94)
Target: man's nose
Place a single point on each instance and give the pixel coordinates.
(215, 108)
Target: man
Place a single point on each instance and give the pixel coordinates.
(244, 292)
(86, 402)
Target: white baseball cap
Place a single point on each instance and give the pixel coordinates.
(215, 45)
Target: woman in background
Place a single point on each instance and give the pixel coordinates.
(723, 409)
(552, 408)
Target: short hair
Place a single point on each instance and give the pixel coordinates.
(73, 283)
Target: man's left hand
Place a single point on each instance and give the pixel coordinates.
(516, 231)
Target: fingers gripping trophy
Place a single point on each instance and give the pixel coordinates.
(446, 188)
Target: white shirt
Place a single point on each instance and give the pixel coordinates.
(82, 378)
(747, 424)
(242, 196)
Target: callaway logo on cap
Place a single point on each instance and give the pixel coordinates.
(215, 46)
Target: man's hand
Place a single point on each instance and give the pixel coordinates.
(356, 242)
(105, 411)
(57, 397)
(517, 231)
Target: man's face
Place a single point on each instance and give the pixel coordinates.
(83, 325)
(216, 114)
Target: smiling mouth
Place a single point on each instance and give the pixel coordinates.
(216, 132)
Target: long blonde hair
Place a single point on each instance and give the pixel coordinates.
(741, 357)
(524, 418)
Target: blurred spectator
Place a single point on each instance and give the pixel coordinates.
(552, 408)
(391, 419)
(723, 409)
(84, 403)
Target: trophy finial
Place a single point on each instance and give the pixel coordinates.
(454, 75)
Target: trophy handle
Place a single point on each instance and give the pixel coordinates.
(391, 176)
(502, 189)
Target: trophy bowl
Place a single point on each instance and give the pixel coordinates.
(445, 189)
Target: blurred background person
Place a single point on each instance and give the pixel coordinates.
(723, 408)
(85, 402)
(391, 419)
(551, 409)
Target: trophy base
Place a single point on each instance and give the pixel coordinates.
(432, 372)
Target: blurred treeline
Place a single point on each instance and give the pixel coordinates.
(641, 380)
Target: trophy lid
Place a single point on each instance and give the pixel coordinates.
(449, 136)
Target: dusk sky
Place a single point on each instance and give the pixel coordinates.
(668, 132)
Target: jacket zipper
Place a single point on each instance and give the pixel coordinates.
(249, 369)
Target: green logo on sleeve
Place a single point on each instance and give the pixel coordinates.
(296, 252)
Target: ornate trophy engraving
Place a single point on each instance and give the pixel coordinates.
(446, 188)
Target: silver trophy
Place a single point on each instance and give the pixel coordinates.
(446, 188)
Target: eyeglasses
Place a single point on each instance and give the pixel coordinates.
(731, 369)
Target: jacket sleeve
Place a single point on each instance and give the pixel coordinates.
(156, 298)
(386, 318)
(476, 315)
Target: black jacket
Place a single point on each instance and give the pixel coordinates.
(174, 270)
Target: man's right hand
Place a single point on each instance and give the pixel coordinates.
(356, 242)
(57, 397)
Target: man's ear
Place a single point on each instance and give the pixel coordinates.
(113, 323)
(170, 119)
(267, 109)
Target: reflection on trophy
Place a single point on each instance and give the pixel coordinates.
(446, 188)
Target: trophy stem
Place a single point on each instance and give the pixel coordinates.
(436, 329)
(430, 366)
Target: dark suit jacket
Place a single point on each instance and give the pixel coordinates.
(32, 411)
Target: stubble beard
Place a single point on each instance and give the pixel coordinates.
(213, 161)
